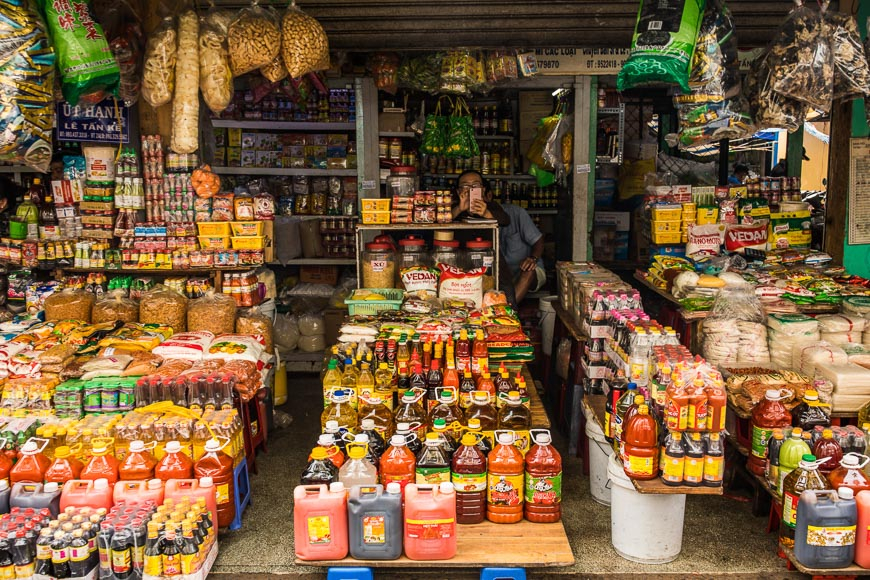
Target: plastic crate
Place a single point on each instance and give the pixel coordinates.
(375, 204)
(213, 228)
(376, 217)
(247, 228)
(248, 242)
(393, 301)
(214, 242)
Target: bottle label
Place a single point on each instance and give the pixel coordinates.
(188, 563)
(760, 439)
(697, 417)
(402, 480)
(43, 552)
(25, 571)
(222, 493)
(789, 509)
(504, 489)
(672, 468)
(640, 465)
(319, 531)
(8, 572)
(171, 565)
(693, 471)
(430, 529)
(374, 530)
(153, 565)
(833, 536)
(714, 467)
(432, 475)
(78, 553)
(608, 418)
(138, 556)
(677, 416)
(468, 482)
(121, 561)
(544, 490)
(61, 555)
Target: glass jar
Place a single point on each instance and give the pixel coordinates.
(402, 181)
(412, 252)
(480, 255)
(378, 266)
(447, 252)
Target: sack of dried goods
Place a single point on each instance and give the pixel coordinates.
(158, 74)
(304, 44)
(254, 39)
(162, 305)
(185, 103)
(69, 304)
(215, 76)
(213, 312)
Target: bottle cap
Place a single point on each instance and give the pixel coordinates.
(811, 395)
(136, 446)
(846, 492)
(356, 452)
(446, 487)
(206, 482)
(403, 426)
(361, 438)
(394, 488)
(772, 394)
(827, 433)
(397, 440)
(29, 447)
(474, 423)
(505, 439)
(796, 432)
(439, 423)
(336, 487)
(63, 451)
(4, 484)
(643, 410)
(631, 386)
(432, 438)
(155, 483)
(326, 440)
(332, 425)
(319, 453)
(639, 400)
(171, 447)
(468, 439)
(368, 424)
(50, 487)
(213, 445)
(808, 457)
(101, 484)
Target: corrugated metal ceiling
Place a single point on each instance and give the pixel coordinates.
(436, 24)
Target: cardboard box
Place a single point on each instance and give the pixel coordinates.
(621, 220)
(96, 206)
(393, 122)
(234, 137)
(319, 274)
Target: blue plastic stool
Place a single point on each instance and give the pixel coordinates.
(503, 574)
(242, 493)
(349, 574)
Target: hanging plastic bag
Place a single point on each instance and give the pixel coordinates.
(553, 154)
(89, 71)
(384, 67)
(460, 72)
(27, 110)
(548, 128)
(275, 71)
(123, 29)
(421, 73)
(770, 109)
(185, 102)
(253, 39)
(304, 44)
(461, 143)
(434, 133)
(663, 43)
(851, 75)
(215, 75)
(158, 72)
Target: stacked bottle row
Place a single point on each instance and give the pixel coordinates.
(198, 392)
(495, 483)
(180, 540)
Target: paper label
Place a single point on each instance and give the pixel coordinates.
(8, 572)
(122, 562)
(544, 490)
(432, 475)
(833, 536)
(672, 469)
(378, 265)
(430, 529)
(693, 471)
(504, 489)
(78, 554)
(374, 530)
(318, 530)
(714, 467)
(468, 482)
(171, 565)
(760, 438)
(789, 509)
(640, 465)
(222, 493)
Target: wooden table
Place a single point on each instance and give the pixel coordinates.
(595, 405)
(523, 545)
(825, 573)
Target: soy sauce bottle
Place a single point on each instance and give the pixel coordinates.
(320, 469)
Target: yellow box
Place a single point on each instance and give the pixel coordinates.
(214, 242)
(213, 228)
(375, 217)
(659, 226)
(667, 237)
(375, 204)
(667, 213)
(245, 229)
(707, 215)
(248, 242)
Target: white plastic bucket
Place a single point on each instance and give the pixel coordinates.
(645, 528)
(599, 455)
(548, 321)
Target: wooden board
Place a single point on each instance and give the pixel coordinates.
(523, 544)
(596, 405)
(539, 413)
(568, 320)
(853, 570)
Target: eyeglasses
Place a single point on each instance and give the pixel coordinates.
(469, 187)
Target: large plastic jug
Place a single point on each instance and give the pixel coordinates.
(87, 493)
(5, 491)
(862, 534)
(102, 464)
(32, 465)
(767, 415)
(219, 467)
(175, 464)
(320, 522)
(505, 481)
(36, 496)
(133, 492)
(138, 464)
(825, 532)
(375, 522)
(64, 467)
(191, 488)
(790, 455)
(543, 500)
(430, 521)
(850, 473)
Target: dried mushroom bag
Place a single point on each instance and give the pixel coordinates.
(801, 60)
(69, 304)
(851, 75)
(213, 312)
(115, 306)
(304, 44)
(663, 44)
(162, 305)
(252, 321)
(158, 71)
(215, 75)
(185, 102)
(254, 39)
(770, 109)
(88, 69)
(27, 110)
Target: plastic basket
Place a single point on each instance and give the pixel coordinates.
(214, 228)
(247, 228)
(393, 302)
(248, 242)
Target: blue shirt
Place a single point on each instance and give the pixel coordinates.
(517, 239)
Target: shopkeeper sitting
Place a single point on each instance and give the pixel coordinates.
(521, 242)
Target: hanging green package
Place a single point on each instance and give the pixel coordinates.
(663, 43)
(89, 71)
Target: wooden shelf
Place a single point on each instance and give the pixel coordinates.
(282, 125)
(159, 271)
(568, 320)
(494, 137)
(853, 570)
(517, 177)
(687, 315)
(17, 169)
(402, 134)
(450, 226)
(284, 171)
(542, 211)
(316, 262)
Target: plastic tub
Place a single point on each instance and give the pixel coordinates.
(645, 528)
(221, 229)
(243, 229)
(599, 456)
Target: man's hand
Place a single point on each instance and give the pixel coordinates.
(529, 264)
(463, 200)
(478, 207)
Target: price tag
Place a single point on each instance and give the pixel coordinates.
(584, 168)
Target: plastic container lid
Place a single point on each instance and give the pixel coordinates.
(155, 483)
(543, 438)
(474, 423)
(446, 487)
(29, 447)
(135, 446)
(808, 457)
(4, 484)
(505, 439)
(403, 170)
(336, 487)
(413, 241)
(361, 438)
(171, 447)
(846, 492)
(403, 426)
(368, 424)
(397, 440)
(394, 487)
(50, 487)
(478, 244)
(440, 423)
(101, 484)
(206, 482)
(332, 425)
(213, 445)
(378, 246)
(446, 243)
(771, 394)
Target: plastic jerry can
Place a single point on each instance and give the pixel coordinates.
(825, 532)
(375, 522)
(320, 522)
(32, 465)
(5, 491)
(430, 521)
(862, 536)
(134, 492)
(193, 489)
(87, 493)
(36, 496)
(64, 467)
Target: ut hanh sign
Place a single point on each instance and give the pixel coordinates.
(580, 61)
(101, 123)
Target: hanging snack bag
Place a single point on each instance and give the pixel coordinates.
(89, 71)
(185, 103)
(770, 108)
(27, 62)
(663, 43)
(304, 44)
(126, 40)
(158, 74)
(254, 39)
(215, 76)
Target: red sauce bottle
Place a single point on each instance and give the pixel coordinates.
(641, 446)
(766, 416)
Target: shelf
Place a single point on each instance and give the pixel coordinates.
(282, 125)
(17, 169)
(542, 211)
(284, 171)
(517, 177)
(407, 134)
(450, 226)
(323, 216)
(609, 110)
(162, 271)
(493, 137)
(316, 262)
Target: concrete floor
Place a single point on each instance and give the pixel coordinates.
(721, 538)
